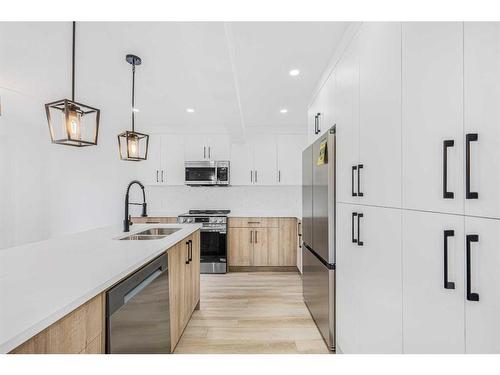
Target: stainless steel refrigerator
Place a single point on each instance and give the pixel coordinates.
(318, 227)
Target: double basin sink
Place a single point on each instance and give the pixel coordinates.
(151, 234)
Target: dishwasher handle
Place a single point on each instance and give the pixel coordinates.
(125, 290)
(139, 288)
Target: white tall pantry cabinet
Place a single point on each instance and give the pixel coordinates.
(416, 105)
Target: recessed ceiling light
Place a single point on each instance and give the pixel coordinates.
(294, 72)
(189, 110)
(283, 110)
(135, 109)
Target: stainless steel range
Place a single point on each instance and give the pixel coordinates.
(213, 246)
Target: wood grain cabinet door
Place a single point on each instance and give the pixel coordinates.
(176, 267)
(265, 247)
(287, 248)
(195, 269)
(240, 246)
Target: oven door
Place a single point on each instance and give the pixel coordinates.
(200, 173)
(213, 246)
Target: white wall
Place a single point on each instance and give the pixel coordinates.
(49, 190)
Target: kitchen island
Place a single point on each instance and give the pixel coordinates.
(43, 282)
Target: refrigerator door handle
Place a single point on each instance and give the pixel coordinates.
(354, 240)
(360, 243)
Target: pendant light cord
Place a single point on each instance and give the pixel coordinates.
(133, 96)
(73, 65)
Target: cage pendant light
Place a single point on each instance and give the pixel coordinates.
(132, 145)
(72, 123)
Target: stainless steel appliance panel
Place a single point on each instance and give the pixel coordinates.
(323, 222)
(307, 196)
(138, 316)
(319, 294)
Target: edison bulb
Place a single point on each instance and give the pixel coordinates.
(73, 123)
(133, 146)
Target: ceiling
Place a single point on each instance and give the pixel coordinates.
(234, 75)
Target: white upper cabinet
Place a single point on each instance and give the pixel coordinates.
(172, 160)
(149, 171)
(165, 162)
(380, 114)
(320, 113)
(241, 168)
(290, 149)
(433, 116)
(346, 99)
(482, 118)
(265, 160)
(206, 147)
(482, 306)
(219, 147)
(433, 283)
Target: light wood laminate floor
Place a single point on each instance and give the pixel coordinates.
(251, 313)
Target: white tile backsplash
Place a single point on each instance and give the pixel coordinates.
(241, 200)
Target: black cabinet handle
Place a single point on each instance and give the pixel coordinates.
(319, 122)
(446, 194)
(190, 250)
(187, 248)
(354, 194)
(360, 243)
(471, 137)
(360, 166)
(469, 239)
(354, 240)
(447, 284)
(316, 124)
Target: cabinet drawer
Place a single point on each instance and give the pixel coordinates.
(253, 222)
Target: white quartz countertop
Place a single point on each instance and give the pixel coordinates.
(43, 281)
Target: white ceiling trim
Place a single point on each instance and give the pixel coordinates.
(230, 48)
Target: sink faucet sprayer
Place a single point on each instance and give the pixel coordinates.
(127, 222)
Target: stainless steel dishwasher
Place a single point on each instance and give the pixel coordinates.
(137, 312)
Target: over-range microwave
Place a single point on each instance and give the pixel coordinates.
(206, 173)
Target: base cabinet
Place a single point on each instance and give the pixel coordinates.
(184, 284)
(81, 331)
(482, 293)
(433, 290)
(369, 293)
(262, 242)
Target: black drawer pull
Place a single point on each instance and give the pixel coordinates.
(471, 137)
(470, 238)
(354, 240)
(446, 144)
(360, 243)
(360, 166)
(447, 284)
(354, 168)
